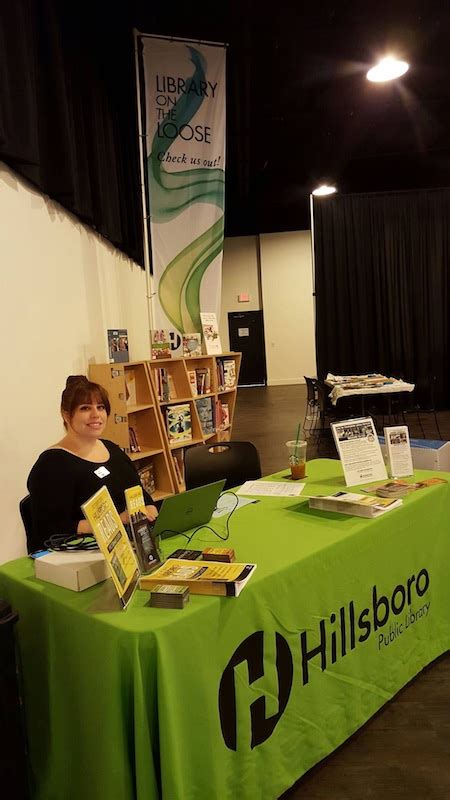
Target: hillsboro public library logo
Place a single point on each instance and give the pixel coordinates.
(337, 636)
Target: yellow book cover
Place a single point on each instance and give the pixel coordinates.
(135, 500)
(202, 577)
(113, 542)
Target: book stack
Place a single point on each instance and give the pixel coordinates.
(178, 421)
(226, 554)
(164, 596)
(354, 504)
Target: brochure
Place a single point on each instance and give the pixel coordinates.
(359, 450)
(211, 333)
(118, 345)
(356, 505)
(398, 450)
(202, 577)
(113, 542)
(145, 545)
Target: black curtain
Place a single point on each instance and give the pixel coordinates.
(68, 119)
(382, 286)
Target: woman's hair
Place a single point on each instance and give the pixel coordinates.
(80, 390)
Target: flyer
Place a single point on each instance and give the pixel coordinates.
(398, 451)
(359, 450)
(113, 542)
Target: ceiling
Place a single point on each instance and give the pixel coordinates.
(299, 107)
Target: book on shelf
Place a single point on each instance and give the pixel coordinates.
(211, 333)
(205, 410)
(203, 376)
(147, 478)
(165, 385)
(202, 577)
(222, 415)
(192, 344)
(229, 373)
(160, 344)
(226, 373)
(118, 345)
(130, 387)
(179, 467)
(356, 505)
(134, 441)
(178, 420)
(192, 375)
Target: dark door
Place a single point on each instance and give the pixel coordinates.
(246, 329)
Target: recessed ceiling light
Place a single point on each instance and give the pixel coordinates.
(323, 190)
(387, 69)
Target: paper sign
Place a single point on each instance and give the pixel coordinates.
(113, 542)
(359, 450)
(398, 451)
(243, 331)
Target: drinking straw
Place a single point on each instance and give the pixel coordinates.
(296, 441)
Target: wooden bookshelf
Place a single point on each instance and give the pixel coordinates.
(185, 381)
(134, 407)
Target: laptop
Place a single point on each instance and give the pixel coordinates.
(187, 510)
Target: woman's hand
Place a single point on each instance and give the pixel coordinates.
(151, 512)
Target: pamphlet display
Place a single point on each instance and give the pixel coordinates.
(211, 333)
(145, 545)
(113, 542)
(118, 345)
(398, 451)
(192, 344)
(359, 450)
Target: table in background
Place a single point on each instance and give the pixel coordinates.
(235, 697)
(346, 386)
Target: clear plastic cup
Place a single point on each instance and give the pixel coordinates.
(297, 459)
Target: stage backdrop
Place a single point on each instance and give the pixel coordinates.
(185, 160)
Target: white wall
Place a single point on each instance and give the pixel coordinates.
(286, 278)
(276, 270)
(61, 288)
(240, 275)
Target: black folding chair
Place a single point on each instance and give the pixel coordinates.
(236, 461)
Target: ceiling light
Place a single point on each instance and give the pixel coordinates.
(387, 69)
(323, 190)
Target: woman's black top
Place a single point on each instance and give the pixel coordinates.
(60, 482)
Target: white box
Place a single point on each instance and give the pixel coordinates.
(73, 570)
(427, 454)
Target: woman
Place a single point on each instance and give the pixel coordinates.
(69, 472)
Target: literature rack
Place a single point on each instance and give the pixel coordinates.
(190, 388)
(134, 422)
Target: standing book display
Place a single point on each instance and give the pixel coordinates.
(359, 450)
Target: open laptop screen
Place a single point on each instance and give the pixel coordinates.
(187, 510)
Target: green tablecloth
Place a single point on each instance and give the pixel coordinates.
(235, 697)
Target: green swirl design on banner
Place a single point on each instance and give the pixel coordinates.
(170, 193)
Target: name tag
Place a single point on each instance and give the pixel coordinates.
(101, 472)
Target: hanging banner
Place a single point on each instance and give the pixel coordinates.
(185, 162)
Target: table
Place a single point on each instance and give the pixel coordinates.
(347, 386)
(235, 697)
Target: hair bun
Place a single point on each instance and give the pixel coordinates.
(72, 379)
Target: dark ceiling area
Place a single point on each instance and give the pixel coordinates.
(299, 107)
